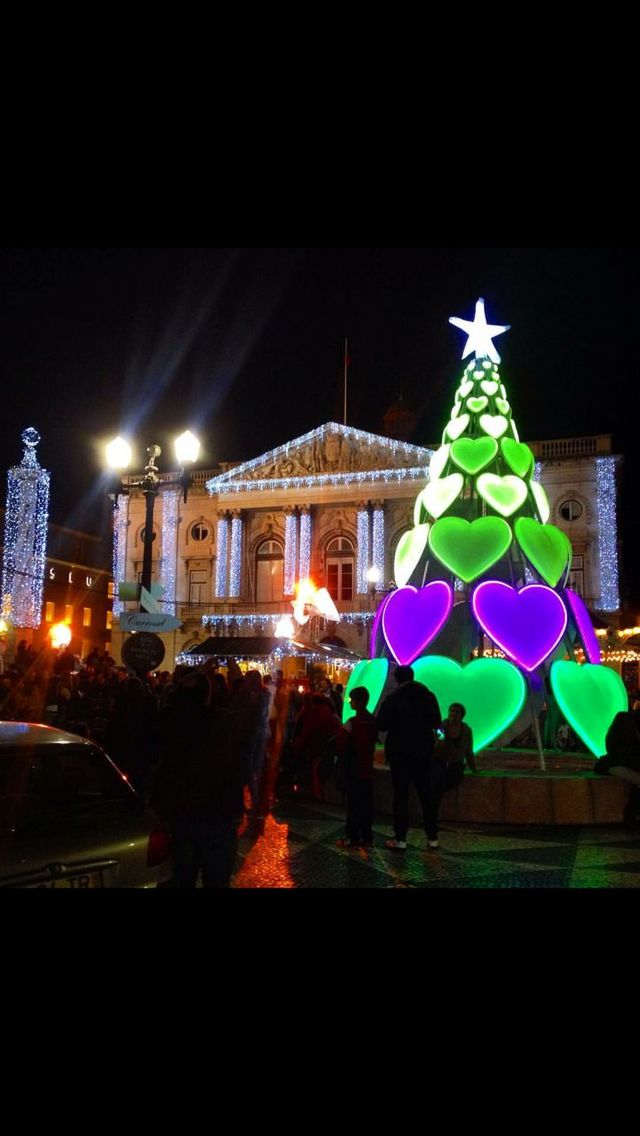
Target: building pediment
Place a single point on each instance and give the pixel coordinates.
(330, 451)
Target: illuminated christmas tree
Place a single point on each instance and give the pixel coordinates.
(25, 538)
(482, 611)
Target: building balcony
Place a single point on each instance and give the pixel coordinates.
(229, 609)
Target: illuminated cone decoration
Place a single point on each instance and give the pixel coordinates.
(484, 574)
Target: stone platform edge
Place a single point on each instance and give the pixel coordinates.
(496, 797)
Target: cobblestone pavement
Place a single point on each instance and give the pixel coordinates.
(297, 849)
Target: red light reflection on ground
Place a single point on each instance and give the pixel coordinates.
(266, 864)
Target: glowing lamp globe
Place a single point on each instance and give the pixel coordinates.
(118, 454)
(187, 448)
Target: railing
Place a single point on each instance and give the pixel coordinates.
(558, 448)
(199, 477)
(229, 609)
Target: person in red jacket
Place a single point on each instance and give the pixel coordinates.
(356, 746)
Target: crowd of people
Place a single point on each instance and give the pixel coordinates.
(208, 751)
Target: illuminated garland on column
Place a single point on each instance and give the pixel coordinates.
(169, 561)
(120, 527)
(377, 560)
(290, 552)
(25, 540)
(607, 534)
(305, 546)
(221, 563)
(362, 584)
(236, 557)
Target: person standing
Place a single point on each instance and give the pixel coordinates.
(199, 784)
(356, 746)
(409, 716)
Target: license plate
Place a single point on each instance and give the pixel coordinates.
(87, 880)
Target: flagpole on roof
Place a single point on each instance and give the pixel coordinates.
(346, 377)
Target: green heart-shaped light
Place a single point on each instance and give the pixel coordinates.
(547, 547)
(477, 404)
(469, 549)
(438, 462)
(455, 410)
(494, 425)
(489, 388)
(504, 494)
(492, 691)
(589, 697)
(408, 553)
(514, 429)
(457, 426)
(503, 391)
(473, 454)
(371, 673)
(438, 496)
(541, 500)
(465, 389)
(518, 456)
(503, 405)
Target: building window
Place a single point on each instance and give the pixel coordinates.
(68, 613)
(198, 586)
(109, 622)
(49, 612)
(143, 535)
(269, 572)
(111, 589)
(570, 510)
(340, 568)
(200, 531)
(86, 617)
(576, 575)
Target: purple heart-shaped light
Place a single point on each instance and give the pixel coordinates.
(412, 618)
(585, 627)
(527, 624)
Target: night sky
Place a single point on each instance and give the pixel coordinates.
(245, 346)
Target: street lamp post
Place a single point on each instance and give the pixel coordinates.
(187, 448)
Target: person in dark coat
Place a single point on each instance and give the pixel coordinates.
(356, 746)
(409, 717)
(198, 785)
(623, 757)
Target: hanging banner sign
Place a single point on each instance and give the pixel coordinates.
(148, 621)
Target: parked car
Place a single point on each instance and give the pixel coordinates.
(70, 819)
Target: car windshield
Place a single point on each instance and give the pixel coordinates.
(57, 780)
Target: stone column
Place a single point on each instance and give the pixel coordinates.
(290, 550)
(235, 562)
(377, 544)
(305, 543)
(364, 549)
(222, 546)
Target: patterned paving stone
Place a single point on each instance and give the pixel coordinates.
(297, 850)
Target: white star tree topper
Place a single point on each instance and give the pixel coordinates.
(481, 334)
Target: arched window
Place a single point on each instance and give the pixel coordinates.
(200, 531)
(570, 510)
(340, 568)
(269, 572)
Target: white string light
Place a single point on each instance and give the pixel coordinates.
(120, 529)
(362, 568)
(377, 559)
(305, 546)
(25, 537)
(607, 534)
(230, 480)
(221, 562)
(235, 558)
(290, 552)
(169, 559)
(315, 481)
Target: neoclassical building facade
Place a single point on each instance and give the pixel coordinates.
(329, 507)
